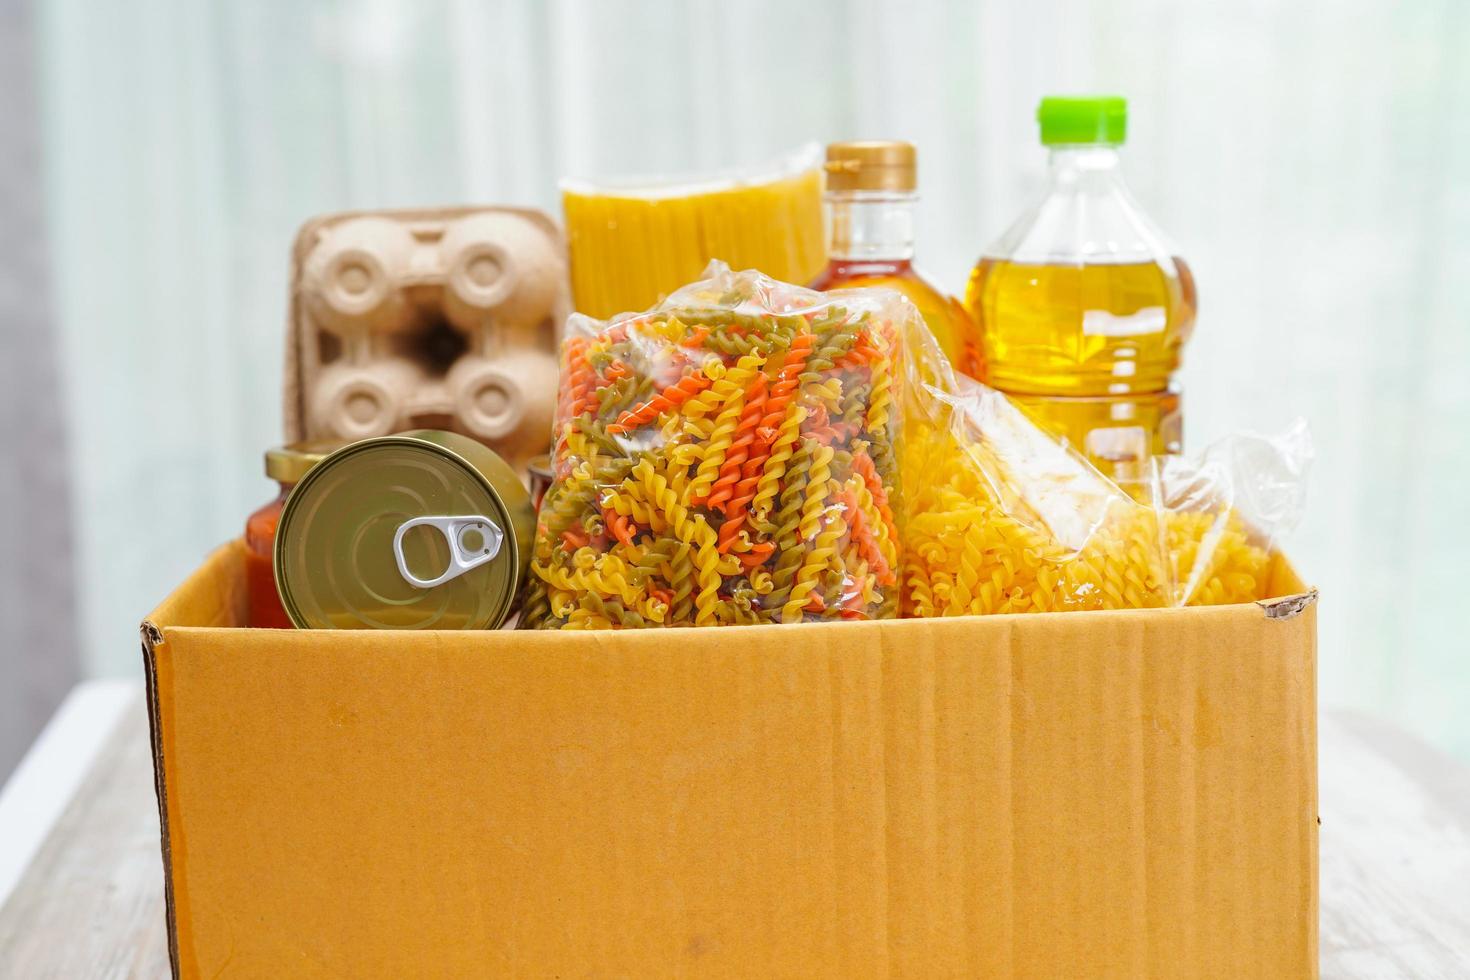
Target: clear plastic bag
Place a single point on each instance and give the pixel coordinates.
(1001, 518)
(1225, 510)
(728, 457)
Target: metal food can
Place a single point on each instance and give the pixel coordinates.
(541, 476)
(422, 530)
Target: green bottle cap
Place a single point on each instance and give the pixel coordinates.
(1082, 119)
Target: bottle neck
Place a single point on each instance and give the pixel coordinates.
(870, 225)
(1084, 163)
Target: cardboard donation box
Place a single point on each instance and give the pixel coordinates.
(1071, 795)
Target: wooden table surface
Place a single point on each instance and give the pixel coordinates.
(1395, 863)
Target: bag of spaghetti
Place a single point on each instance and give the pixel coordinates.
(1002, 518)
(728, 457)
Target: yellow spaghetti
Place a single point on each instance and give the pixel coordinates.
(631, 246)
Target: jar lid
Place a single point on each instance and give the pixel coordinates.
(424, 530)
(871, 165)
(288, 464)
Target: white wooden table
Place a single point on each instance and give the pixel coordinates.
(81, 886)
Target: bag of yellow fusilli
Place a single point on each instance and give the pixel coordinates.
(728, 457)
(1001, 518)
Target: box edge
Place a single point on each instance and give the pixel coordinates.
(152, 638)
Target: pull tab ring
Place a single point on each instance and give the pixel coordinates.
(461, 559)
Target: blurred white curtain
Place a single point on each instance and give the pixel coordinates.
(1313, 162)
(38, 657)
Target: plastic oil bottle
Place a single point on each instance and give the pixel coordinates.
(1082, 306)
(871, 195)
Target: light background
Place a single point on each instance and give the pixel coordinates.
(1312, 160)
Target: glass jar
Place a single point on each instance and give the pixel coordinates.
(539, 478)
(286, 465)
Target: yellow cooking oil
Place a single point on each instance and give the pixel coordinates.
(1082, 309)
(1090, 329)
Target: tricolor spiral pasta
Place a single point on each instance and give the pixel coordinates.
(727, 458)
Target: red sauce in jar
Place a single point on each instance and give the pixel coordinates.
(260, 573)
(286, 465)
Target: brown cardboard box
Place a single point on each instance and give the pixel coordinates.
(1094, 794)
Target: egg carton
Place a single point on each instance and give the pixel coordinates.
(437, 318)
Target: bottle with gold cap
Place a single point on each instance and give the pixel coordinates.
(871, 196)
(286, 465)
(1083, 306)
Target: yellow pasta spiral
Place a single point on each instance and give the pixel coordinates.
(707, 565)
(562, 602)
(816, 559)
(775, 465)
(627, 500)
(1213, 560)
(816, 492)
(653, 608)
(610, 578)
(558, 577)
(692, 531)
(586, 619)
(730, 390)
(828, 393)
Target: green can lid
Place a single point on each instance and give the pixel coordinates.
(424, 530)
(1083, 119)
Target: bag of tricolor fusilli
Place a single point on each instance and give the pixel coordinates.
(728, 457)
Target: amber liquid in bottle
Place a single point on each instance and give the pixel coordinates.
(870, 201)
(943, 314)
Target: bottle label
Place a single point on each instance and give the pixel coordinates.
(1123, 444)
(1101, 323)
